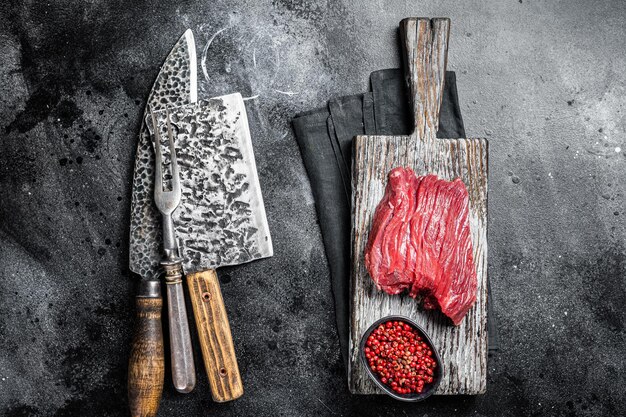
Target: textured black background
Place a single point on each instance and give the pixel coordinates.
(544, 81)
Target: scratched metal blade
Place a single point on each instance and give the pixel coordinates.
(175, 85)
(221, 219)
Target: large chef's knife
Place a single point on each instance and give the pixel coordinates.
(221, 219)
(175, 85)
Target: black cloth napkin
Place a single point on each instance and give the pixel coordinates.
(325, 139)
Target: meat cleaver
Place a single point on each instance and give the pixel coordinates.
(221, 218)
(175, 85)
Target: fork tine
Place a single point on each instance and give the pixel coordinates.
(174, 163)
(158, 164)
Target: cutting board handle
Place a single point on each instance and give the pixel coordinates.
(425, 47)
(215, 337)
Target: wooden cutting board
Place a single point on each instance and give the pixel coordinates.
(463, 348)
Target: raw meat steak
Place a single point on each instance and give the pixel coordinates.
(420, 241)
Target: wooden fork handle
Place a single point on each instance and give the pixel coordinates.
(215, 337)
(146, 367)
(183, 369)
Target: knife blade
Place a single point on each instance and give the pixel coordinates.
(221, 220)
(176, 84)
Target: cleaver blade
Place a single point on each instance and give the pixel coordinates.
(221, 218)
(220, 221)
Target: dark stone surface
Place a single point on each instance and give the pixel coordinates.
(543, 81)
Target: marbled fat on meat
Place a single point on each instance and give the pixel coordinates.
(420, 241)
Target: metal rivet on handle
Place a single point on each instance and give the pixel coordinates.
(206, 296)
(223, 372)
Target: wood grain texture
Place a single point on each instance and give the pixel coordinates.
(146, 368)
(463, 348)
(215, 337)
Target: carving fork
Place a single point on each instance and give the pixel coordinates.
(183, 370)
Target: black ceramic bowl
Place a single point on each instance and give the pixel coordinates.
(429, 389)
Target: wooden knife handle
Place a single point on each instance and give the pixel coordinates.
(146, 364)
(216, 340)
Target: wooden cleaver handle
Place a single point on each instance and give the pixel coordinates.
(216, 340)
(146, 367)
